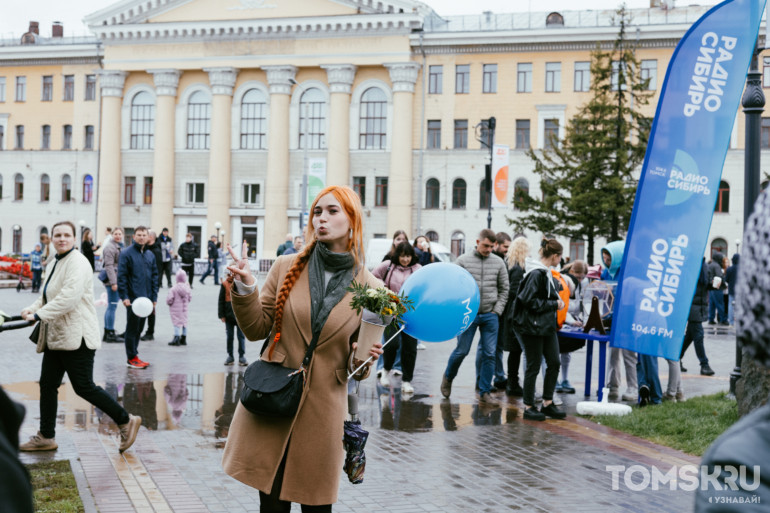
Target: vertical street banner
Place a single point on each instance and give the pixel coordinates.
(316, 178)
(500, 160)
(680, 177)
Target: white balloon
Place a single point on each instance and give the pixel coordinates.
(141, 306)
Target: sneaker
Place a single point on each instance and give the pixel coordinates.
(242, 361)
(567, 388)
(128, 432)
(384, 380)
(553, 411)
(38, 442)
(147, 337)
(397, 372)
(406, 388)
(488, 400)
(136, 363)
(446, 387)
(644, 395)
(680, 398)
(230, 360)
(532, 413)
(705, 370)
(668, 397)
(514, 391)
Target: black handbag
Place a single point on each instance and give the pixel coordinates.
(527, 322)
(272, 390)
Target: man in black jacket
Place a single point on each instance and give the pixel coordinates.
(188, 252)
(694, 332)
(213, 261)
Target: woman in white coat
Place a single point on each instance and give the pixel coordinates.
(68, 339)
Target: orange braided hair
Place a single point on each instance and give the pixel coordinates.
(351, 205)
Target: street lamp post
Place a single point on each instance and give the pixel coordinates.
(489, 124)
(218, 226)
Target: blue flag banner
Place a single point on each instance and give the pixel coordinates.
(680, 177)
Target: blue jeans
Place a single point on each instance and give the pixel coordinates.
(499, 368)
(213, 268)
(647, 374)
(37, 275)
(488, 324)
(232, 330)
(112, 305)
(717, 302)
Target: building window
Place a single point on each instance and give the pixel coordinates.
(436, 79)
(582, 77)
(19, 137)
(251, 194)
(18, 187)
(718, 245)
(147, 200)
(17, 240)
(21, 89)
(142, 121)
(461, 133)
(359, 185)
(69, 88)
(522, 134)
(458, 243)
(195, 194)
(551, 133)
(650, 72)
(766, 72)
(432, 236)
(129, 190)
(45, 138)
(2, 89)
(552, 77)
(484, 193)
(45, 188)
(432, 193)
(463, 79)
(66, 189)
(312, 109)
(373, 119)
(47, 95)
(577, 249)
(490, 78)
(90, 88)
(253, 120)
(381, 191)
(434, 134)
(723, 198)
(554, 20)
(765, 142)
(67, 139)
(88, 189)
(198, 121)
(89, 138)
(520, 192)
(459, 189)
(524, 77)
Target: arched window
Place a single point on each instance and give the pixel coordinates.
(45, 188)
(312, 119)
(554, 20)
(66, 189)
(18, 187)
(459, 189)
(432, 236)
(16, 239)
(718, 245)
(373, 119)
(458, 243)
(520, 191)
(88, 189)
(142, 121)
(483, 195)
(198, 121)
(253, 120)
(723, 198)
(43, 231)
(431, 193)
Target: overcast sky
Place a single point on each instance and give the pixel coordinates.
(14, 21)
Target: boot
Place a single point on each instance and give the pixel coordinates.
(148, 336)
(174, 342)
(183, 340)
(108, 336)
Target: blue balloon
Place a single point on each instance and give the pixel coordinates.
(446, 300)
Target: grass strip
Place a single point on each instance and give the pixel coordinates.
(54, 487)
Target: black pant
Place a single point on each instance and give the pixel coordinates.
(165, 269)
(232, 329)
(190, 270)
(408, 346)
(151, 323)
(134, 327)
(514, 360)
(273, 504)
(79, 366)
(535, 348)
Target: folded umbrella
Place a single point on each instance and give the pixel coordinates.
(354, 440)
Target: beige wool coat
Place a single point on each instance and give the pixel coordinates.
(312, 441)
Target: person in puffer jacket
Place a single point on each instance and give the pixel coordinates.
(401, 264)
(177, 300)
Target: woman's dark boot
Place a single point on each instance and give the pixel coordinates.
(183, 340)
(174, 342)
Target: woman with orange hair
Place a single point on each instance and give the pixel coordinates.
(300, 459)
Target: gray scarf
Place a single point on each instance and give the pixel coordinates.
(323, 299)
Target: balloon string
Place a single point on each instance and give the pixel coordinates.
(370, 358)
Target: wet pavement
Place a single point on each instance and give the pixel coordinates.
(424, 453)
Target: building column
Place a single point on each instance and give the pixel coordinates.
(163, 185)
(108, 198)
(222, 81)
(403, 76)
(277, 182)
(340, 77)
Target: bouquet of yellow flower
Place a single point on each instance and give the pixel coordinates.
(383, 302)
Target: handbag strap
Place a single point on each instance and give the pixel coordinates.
(308, 353)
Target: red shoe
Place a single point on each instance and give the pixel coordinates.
(136, 363)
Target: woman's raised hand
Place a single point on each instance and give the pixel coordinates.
(240, 268)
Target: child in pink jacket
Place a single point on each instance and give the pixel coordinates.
(177, 300)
